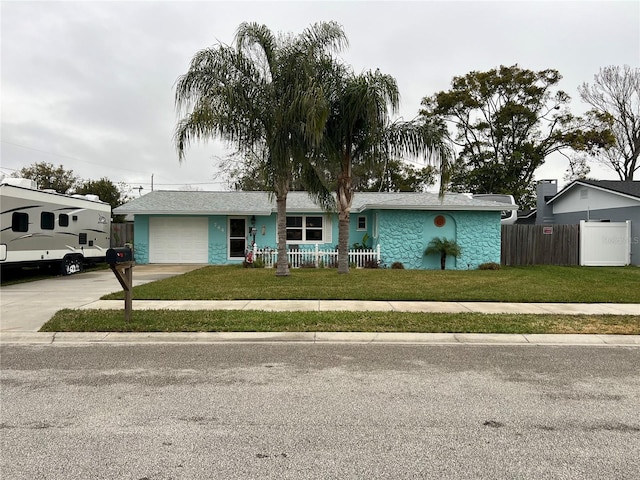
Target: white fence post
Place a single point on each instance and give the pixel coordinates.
(298, 258)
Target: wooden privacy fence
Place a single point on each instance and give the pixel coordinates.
(540, 245)
(317, 258)
(121, 233)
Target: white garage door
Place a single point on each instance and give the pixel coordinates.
(178, 240)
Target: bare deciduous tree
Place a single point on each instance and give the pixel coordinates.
(616, 94)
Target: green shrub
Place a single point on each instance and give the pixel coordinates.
(443, 247)
(489, 266)
(397, 266)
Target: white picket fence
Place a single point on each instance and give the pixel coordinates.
(317, 258)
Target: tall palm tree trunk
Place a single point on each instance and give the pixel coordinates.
(344, 198)
(343, 243)
(282, 266)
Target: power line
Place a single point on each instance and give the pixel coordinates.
(215, 182)
(66, 156)
(180, 183)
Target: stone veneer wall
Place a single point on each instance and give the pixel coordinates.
(397, 235)
(479, 235)
(404, 235)
(141, 239)
(218, 240)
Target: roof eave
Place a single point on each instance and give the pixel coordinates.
(193, 212)
(590, 185)
(479, 208)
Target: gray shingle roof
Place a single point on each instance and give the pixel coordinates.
(629, 188)
(263, 203)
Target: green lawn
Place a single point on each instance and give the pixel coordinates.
(509, 284)
(513, 284)
(257, 321)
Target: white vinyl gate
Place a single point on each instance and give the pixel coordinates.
(605, 243)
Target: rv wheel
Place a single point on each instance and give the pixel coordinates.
(71, 264)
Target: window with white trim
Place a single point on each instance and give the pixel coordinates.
(362, 223)
(305, 228)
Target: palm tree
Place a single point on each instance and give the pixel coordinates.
(359, 129)
(443, 247)
(260, 94)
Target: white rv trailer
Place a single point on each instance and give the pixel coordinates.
(507, 217)
(44, 227)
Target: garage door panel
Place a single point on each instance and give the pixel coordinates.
(178, 240)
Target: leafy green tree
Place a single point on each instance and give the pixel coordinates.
(506, 122)
(261, 95)
(616, 94)
(247, 173)
(106, 190)
(443, 247)
(393, 176)
(47, 176)
(578, 168)
(359, 130)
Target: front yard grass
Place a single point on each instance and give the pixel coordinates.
(512, 284)
(509, 284)
(259, 321)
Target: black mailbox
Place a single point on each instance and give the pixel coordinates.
(118, 255)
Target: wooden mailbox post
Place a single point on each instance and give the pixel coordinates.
(121, 262)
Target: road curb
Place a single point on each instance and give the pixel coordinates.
(78, 338)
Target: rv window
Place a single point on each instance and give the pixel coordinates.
(63, 220)
(47, 221)
(20, 222)
(82, 239)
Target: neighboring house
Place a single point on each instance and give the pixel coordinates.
(218, 227)
(592, 200)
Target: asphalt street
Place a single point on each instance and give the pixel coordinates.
(318, 411)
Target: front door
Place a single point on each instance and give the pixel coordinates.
(237, 238)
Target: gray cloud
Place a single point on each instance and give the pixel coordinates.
(90, 84)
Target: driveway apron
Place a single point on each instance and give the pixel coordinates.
(25, 307)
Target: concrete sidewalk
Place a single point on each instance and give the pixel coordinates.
(24, 308)
(378, 306)
(31, 337)
(64, 338)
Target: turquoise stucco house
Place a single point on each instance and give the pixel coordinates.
(217, 227)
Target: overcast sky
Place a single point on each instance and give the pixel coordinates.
(89, 85)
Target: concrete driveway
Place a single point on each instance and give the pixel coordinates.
(25, 307)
